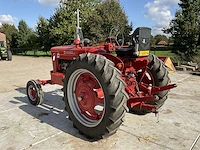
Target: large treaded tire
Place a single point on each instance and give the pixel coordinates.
(113, 88)
(9, 55)
(160, 76)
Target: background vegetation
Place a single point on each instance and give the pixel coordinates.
(97, 19)
(185, 29)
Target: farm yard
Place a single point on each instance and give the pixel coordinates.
(24, 126)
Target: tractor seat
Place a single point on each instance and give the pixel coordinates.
(126, 52)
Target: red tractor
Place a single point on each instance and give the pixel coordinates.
(99, 87)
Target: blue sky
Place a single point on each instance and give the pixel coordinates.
(155, 14)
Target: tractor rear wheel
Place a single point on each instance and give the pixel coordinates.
(9, 55)
(34, 92)
(157, 75)
(94, 95)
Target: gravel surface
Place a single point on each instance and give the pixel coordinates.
(17, 72)
(47, 127)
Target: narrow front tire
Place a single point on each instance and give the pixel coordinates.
(34, 92)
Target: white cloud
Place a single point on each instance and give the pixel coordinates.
(159, 12)
(7, 19)
(49, 2)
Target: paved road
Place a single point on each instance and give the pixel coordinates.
(24, 126)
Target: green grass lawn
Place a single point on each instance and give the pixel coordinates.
(166, 53)
(41, 53)
(174, 58)
(163, 53)
(38, 53)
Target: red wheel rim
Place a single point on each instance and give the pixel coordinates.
(145, 77)
(86, 97)
(89, 94)
(32, 92)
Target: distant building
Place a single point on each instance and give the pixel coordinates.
(162, 43)
(3, 38)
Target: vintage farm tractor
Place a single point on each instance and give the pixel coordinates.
(4, 52)
(100, 87)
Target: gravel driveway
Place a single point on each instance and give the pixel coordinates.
(47, 127)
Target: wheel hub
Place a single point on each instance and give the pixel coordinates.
(85, 97)
(88, 97)
(32, 93)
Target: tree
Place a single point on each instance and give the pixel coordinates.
(108, 15)
(62, 24)
(97, 19)
(159, 38)
(9, 31)
(152, 41)
(24, 35)
(13, 43)
(185, 29)
(42, 31)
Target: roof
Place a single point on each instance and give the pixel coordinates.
(162, 43)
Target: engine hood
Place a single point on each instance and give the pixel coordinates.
(62, 48)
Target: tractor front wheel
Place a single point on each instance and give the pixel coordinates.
(94, 95)
(34, 92)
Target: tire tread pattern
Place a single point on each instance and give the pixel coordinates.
(116, 96)
(161, 78)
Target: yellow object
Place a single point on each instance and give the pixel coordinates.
(144, 53)
(167, 61)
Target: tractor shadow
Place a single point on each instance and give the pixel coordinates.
(51, 111)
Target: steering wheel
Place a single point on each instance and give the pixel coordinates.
(117, 35)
